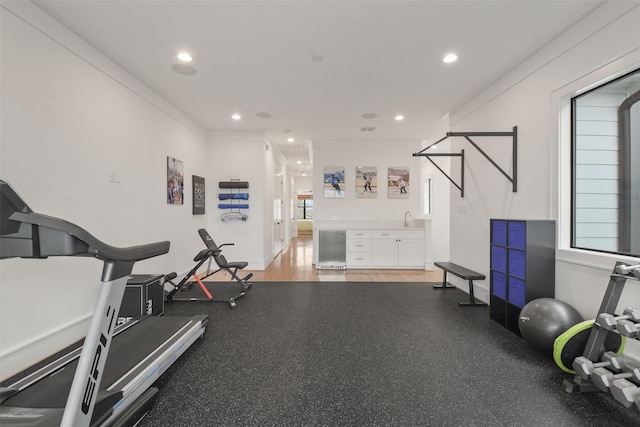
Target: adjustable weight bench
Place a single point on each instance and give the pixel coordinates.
(463, 273)
(230, 267)
(183, 291)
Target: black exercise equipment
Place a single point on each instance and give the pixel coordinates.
(185, 290)
(572, 343)
(542, 320)
(463, 273)
(84, 387)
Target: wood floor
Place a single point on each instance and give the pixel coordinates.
(294, 264)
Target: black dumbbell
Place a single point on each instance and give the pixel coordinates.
(584, 367)
(603, 378)
(625, 392)
(609, 321)
(628, 328)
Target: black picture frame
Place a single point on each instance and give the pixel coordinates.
(198, 195)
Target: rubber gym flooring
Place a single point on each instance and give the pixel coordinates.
(366, 354)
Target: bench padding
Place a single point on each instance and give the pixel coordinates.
(461, 272)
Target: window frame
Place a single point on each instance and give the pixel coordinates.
(574, 143)
(304, 199)
(560, 184)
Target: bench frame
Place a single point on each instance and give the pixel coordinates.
(463, 273)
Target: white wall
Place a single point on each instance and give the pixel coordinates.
(251, 157)
(604, 43)
(303, 183)
(365, 153)
(241, 155)
(69, 119)
(438, 247)
(343, 213)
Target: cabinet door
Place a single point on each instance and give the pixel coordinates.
(385, 248)
(411, 252)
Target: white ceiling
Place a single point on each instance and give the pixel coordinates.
(318, 66)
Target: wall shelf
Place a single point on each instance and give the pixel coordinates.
(233, 200)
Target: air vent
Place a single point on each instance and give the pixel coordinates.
(293, 147)
(367, 129)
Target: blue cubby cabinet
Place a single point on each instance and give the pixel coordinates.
(523, 263)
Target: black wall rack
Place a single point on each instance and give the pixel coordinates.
(467, 135)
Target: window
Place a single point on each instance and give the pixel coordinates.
(606, 167)
(305, 207)
(427, 196)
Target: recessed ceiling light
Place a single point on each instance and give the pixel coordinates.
(399, 118)
(304, 174)
(184, 57)
(236, 117)
(451, 57)
(290, 139)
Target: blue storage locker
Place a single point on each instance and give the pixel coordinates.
(517, 292)
(499, 258)
(517, 234)
(517, 263)
(499, 284)
(499, 232)
(526, 249)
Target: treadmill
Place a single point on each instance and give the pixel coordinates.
(85, 387)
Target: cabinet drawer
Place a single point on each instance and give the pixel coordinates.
(499, 232)
(358, 245)
(499, 258)
(517, 295)
(381, 234)
(358, 259)
(358, 234)
(499, 284)
(411, 234)
(517, 263)
(517, 232)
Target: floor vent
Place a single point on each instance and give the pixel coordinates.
(331, 266)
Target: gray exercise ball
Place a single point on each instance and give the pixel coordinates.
(543, 320)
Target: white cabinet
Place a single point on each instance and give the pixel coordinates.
(358, 248)
(411, 248)
(385, 249)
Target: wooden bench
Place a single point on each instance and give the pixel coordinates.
(463, 273)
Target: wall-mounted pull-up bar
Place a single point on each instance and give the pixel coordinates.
(467, 135)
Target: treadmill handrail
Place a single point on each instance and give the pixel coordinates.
(96, 247)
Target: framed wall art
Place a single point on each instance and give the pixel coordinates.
(175, 181)
(198, 195)
(398, 183)
(366, 182)
(334, 182)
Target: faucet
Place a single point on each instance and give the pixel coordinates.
(406, 224)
